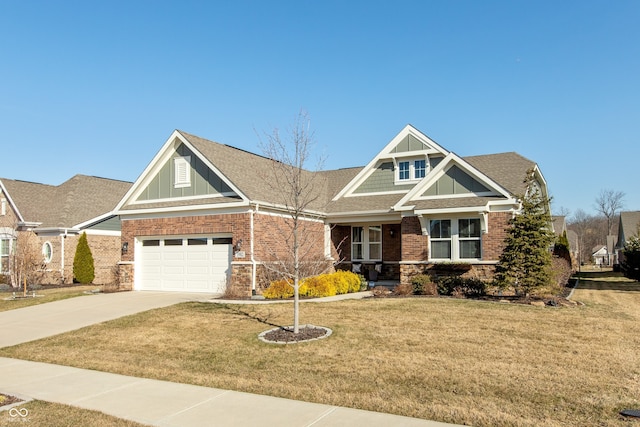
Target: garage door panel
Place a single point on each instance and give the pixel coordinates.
(196, 266)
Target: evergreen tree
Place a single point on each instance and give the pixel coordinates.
(631, 260)
(83, 269)
(525, 263)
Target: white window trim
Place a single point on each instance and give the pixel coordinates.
(412, 169)
(47, 259)
(3, 207)
(182, 172)
(455, 241)
(366, 243)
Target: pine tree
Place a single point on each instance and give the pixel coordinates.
(525, 263)
(631, 259)
(83, 268)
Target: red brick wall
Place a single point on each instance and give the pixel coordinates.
(341, 243)
(415, 246)
(391, 242)
(274, 238)
(493, 241)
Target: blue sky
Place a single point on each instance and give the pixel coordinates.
(97, 87)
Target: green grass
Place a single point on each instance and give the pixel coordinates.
(458, 361)
(42, 296)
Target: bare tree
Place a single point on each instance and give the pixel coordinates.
(299, 191)
(608, 203)
(590, 230)
(25, 260)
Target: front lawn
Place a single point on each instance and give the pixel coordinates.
(460, 361)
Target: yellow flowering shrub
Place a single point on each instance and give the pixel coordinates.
(278, 289)
(324, 285)
(320, 286)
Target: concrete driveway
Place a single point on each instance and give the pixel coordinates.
(44, 320)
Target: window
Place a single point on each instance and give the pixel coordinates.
(3, 207)
(441, 238)
(455, 239)
(403, 171)
(469, 238)
(366, 243)
(151, 243)
(47, 252)
(5, 250)
(357, 241)
(419, 169)
(182, 172)
(375, 242)
(411, 170)
(173, 242)
(200, 241)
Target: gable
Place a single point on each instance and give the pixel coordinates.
(455, 181)
(169, 183)
(381, 180)
(409, 143)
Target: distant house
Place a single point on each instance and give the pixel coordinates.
(202, 217)
(604, 255)
(57, 214)
(629, 226)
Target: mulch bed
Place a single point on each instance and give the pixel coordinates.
(6, 399)
(286, 335)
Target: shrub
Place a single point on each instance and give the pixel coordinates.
(423, 285)
(339, 281)
(352, 280)
(403, 289)
(456, 285)
(364, 283)
(83, 268)
(320, 286)
(278, 289)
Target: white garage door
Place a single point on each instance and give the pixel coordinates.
(187, 264)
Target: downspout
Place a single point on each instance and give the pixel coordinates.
(251, 248)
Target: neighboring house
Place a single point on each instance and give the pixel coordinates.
(202, 216)
(559, 225)
(604, 255)
(57, 215)
(629, 226)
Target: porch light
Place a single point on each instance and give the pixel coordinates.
(125, 247)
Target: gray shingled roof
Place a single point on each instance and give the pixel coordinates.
(507, 169)
(73, 202)
(251, 173)
(629, 221)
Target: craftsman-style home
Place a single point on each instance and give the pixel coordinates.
(203, 216)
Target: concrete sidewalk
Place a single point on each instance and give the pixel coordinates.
(152, 402)
(162, 403)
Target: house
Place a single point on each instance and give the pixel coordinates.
(629, 226)
(58, 215)
(204, 216)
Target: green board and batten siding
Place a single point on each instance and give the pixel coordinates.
(455, 181)
(409, 143)
(203, 180)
